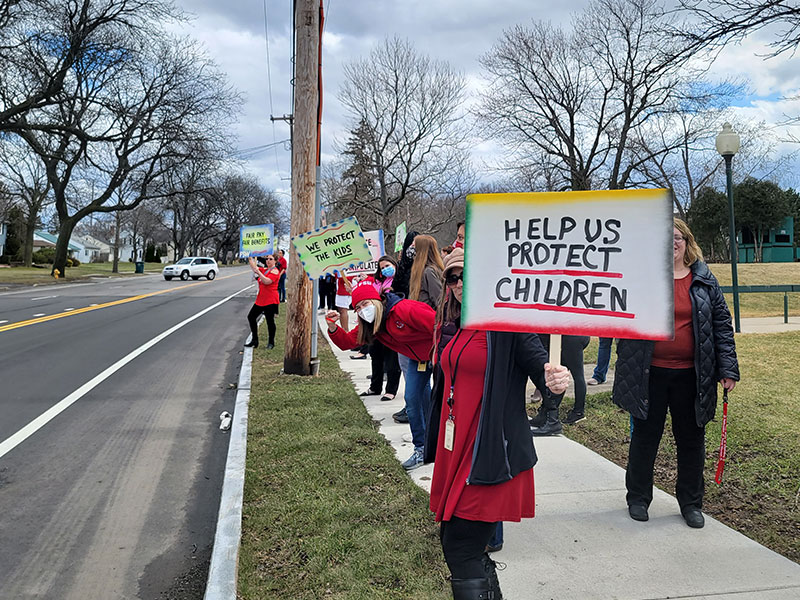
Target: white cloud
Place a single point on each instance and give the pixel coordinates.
(455, 31)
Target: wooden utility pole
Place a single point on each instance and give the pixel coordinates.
(304, 157)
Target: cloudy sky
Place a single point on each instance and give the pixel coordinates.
(458, 32)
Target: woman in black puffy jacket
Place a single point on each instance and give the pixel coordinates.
(680, 375)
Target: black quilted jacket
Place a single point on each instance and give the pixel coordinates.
(714, 354)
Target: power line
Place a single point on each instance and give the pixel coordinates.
(269, 85)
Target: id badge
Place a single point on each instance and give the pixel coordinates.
(422, 367)
(449, 434)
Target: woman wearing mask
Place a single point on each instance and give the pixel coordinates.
(680, 376)
(405, 326)
(384, 360)
(267, 301)
(484, 451)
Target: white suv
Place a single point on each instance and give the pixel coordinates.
(192, 266)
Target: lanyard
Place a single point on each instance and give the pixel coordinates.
(723, 442)
(455, 367)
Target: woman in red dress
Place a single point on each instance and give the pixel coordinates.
(484, 449)
(267, 300)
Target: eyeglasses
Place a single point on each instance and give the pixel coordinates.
(678, 239)
(453, 279)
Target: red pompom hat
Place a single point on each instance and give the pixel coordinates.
(364, 291)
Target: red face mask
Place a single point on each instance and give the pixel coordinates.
(457, 244)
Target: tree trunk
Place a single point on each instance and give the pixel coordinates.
(62, 246)
(30, 227)
(115, 265)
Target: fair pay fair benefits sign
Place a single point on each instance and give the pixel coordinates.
(576, 263)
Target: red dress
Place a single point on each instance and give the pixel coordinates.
(450, 494)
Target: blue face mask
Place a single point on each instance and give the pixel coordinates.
(388, 271)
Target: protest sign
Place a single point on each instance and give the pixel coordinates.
(340, 245)
(578, 263)
(374, 241)
(255, 240)
(399, 236)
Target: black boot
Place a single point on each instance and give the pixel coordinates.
(491, 575)
(473, 589)
(551, 427)
(540, 419)
(252, 343)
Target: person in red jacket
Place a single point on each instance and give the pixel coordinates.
(405, 326)
(266, 302)
(281, 264)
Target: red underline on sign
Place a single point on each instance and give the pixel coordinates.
(569, 309)
(571, 273)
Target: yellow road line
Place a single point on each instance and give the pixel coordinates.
(78, 311)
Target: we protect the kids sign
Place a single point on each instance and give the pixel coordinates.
(256, 240)
(338, 246)
(578, 263)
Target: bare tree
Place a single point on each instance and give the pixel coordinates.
(133, 113)
(578, 103)
(42, 43)
(26, 181)
(406, 107)
(718, 22)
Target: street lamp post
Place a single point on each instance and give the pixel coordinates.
(728, 146)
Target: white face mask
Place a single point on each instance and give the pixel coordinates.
(367, 313)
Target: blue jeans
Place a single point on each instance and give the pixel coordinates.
(282, 287)
(603, 358)
(418, 397)
(497, 538)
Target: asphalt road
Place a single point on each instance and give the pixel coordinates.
(116, 495)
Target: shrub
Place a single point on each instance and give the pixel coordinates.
(5, 259)
(68, 263)
(45, 255)
(76, 262)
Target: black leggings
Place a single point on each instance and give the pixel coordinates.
(464, 546)
(269, 311)
(384, 360)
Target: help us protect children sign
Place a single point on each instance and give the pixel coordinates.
(331, 249)
(577, 263)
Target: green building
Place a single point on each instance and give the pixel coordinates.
(778, 244)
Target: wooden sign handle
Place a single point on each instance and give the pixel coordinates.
(555, 349)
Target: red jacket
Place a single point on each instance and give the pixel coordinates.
(407, 329)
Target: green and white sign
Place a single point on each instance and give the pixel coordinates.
(399, 236)
(331, 249)
(256, 240)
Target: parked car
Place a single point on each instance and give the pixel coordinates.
(192, 266)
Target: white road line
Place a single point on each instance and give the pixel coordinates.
(39, 315)
(44, 297)
(28, 430)
(1, 322)
(68, 309)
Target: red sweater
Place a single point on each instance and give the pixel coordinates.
(268, 293)
(407, 329)
(678, 353)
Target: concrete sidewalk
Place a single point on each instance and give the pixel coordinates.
(583, 545)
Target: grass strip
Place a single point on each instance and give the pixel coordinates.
(328, 510)
(760, 493)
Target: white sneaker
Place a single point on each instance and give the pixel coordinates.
(593, 381)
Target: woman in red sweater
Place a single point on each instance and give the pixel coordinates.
(267, 301)
(405, 326)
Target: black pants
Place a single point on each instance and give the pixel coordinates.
(464, 545)
(384, 360)
(572, 347)
(327, 294)
(673, 389)
(269, 311)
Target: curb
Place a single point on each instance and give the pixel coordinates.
(223, 571)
